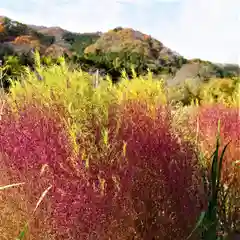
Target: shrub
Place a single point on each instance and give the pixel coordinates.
(28, 136)
(166, 185)
(39, 152)
(95, 202)
(30, 139)
(152, 185)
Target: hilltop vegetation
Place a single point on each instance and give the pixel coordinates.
(110, 52)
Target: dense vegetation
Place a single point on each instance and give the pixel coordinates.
(128, 154)
(87, 160)
(79, 42)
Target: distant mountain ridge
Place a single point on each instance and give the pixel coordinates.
(55, 41)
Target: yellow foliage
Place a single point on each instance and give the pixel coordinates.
(126, 39)
(89, 49)
(1, 28)
(220, 90)
(56, 51)
(26, 39)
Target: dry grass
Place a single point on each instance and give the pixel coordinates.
(19, 205)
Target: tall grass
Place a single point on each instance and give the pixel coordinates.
(209, 221)
(229, 132)
(118, 164)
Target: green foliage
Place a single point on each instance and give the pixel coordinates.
(10, 70)
(5, 50)
(117, 29)
(227, 71)
(80, 41)
(15, 29)
(44, 39)
(23, 233)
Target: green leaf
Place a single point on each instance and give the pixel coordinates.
(199, 223)
(23, 232)
(220, 165)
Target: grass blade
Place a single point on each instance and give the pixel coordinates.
(199, 223)
(11, 185)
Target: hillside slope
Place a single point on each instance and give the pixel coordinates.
(157, 56)
(116, 49)
(134, 42)
(22, 38)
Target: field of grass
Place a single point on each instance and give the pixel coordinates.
(115, 161)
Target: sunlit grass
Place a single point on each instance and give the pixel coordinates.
(106, 154)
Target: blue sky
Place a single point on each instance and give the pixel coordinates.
(207, 29)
